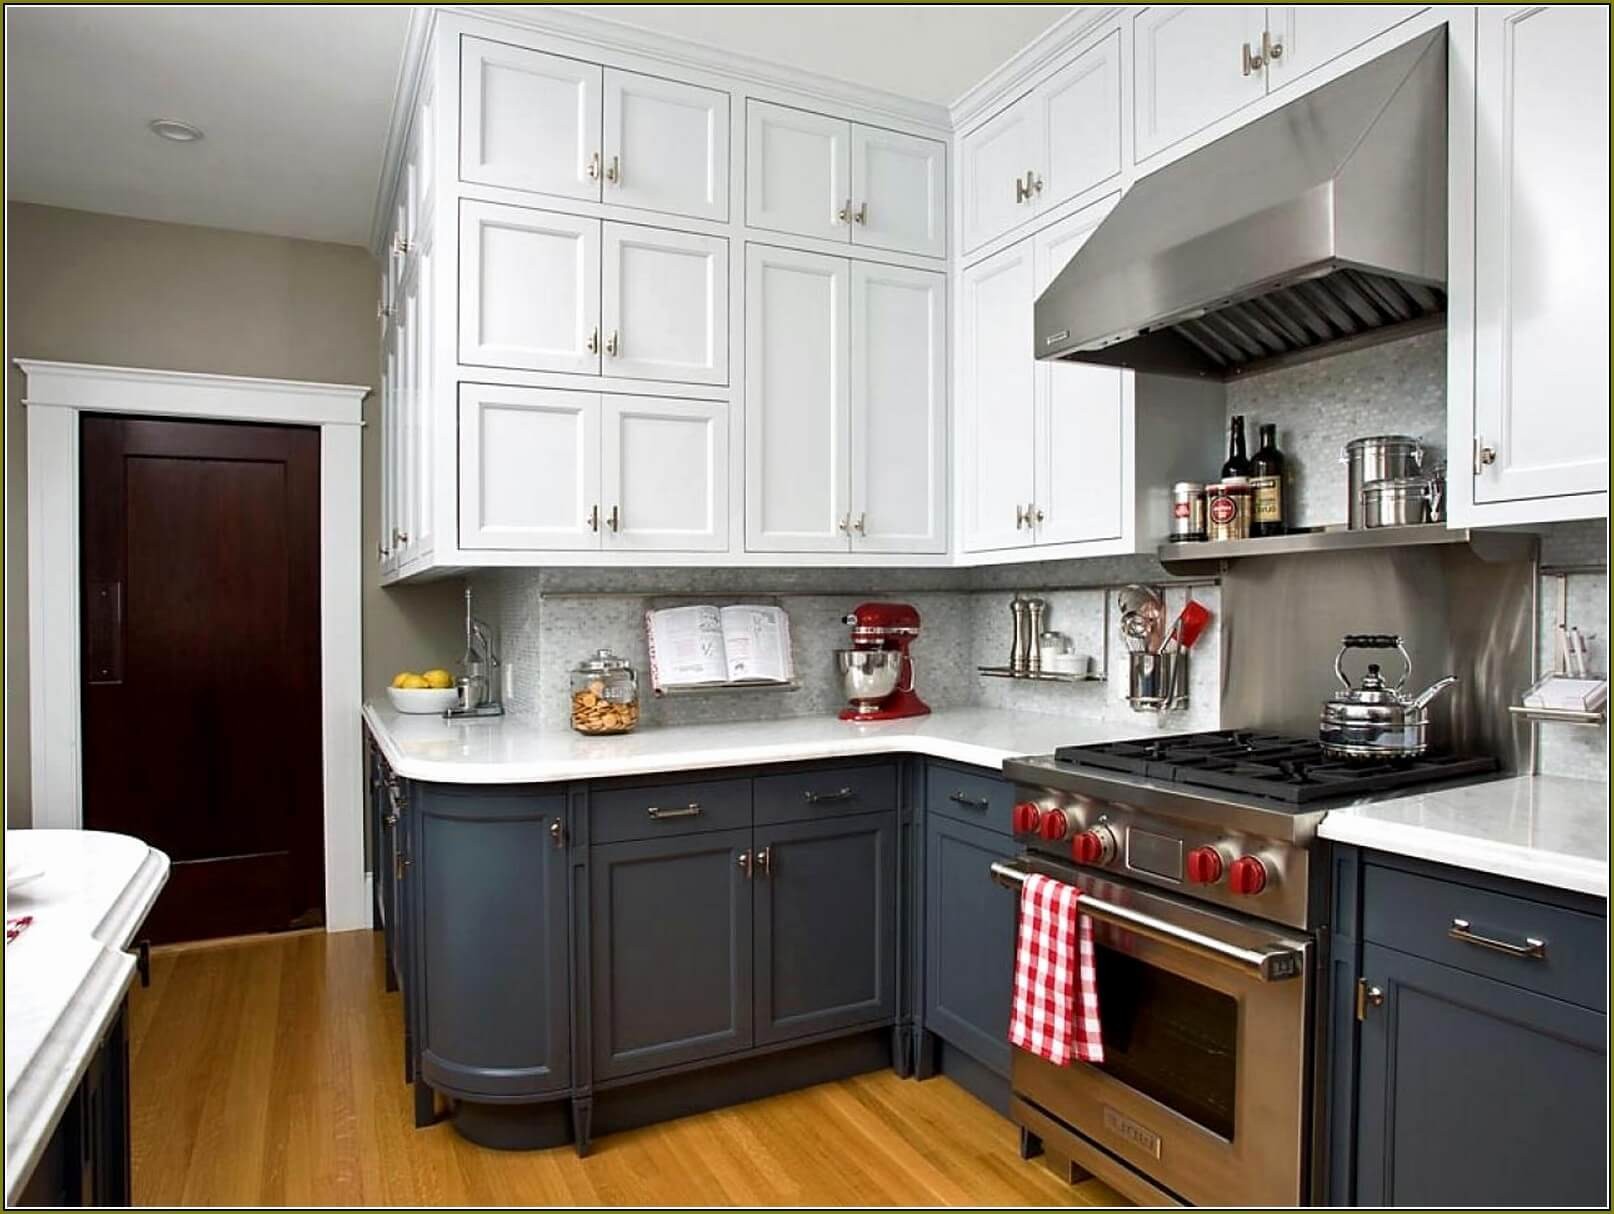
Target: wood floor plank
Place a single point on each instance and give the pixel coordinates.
(269, 1072)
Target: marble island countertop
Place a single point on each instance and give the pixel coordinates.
(1552, 830)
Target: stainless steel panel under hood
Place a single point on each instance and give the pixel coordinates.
(1321, 222)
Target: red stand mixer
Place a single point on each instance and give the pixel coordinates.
(877, 673)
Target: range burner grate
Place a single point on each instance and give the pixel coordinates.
(1292, 770)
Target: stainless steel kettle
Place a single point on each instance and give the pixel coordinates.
(1374, 720)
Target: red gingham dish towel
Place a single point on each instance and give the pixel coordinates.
(17, 926)
(1055, 1012)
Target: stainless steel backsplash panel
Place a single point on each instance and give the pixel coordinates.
(1283, 617)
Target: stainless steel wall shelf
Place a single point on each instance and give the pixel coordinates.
(1209, 554)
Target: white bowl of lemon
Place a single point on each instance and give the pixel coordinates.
(423, 693)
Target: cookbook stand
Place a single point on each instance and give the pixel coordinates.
(1569, 694)
(658, 601)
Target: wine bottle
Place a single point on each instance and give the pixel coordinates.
(1238, 463)
(1267, 485)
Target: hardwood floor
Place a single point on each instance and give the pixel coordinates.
(268, 1073)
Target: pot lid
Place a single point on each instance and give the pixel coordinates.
(602, 661)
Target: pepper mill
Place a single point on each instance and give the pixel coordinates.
(1035, 609)
(1020, 650)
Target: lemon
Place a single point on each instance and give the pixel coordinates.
(414, 682)
(398, 679)
(438, 678)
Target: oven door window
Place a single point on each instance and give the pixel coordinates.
(1173, 1040)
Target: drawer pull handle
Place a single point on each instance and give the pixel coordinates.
(692, 810)
(557, 833)
(972, 802)
(764, 861)
(819, 798)
(1462, 930)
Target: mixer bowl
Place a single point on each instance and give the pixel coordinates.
(868, 674)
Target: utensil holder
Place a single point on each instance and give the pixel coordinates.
(1157, 682)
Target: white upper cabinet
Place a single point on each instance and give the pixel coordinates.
(1192, 64)
(1541, 384)
(1052, 145)
(529, 468)
(797, 171)
(666, 146)
(898, 441)
(997, 397)
(898, 191)
(664, 474)
(797, 391)
(1306, 36)
(529, 289)
(529, 121)
(665, 305)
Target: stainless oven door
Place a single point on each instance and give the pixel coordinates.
(1203, 1085)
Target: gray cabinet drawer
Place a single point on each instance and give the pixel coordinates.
(1415, 914)
(653, 811)
(825, 792)
(976, 797)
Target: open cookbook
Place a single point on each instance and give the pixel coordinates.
(705, 646)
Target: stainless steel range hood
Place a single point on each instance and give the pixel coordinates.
(1322, 222)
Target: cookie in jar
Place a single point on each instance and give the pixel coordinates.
(605, 694)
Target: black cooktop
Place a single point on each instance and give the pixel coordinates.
(1292, 770)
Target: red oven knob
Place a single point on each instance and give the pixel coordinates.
(1054, 825)
(1024, 817)
(1247, 875)
(1094, 846)
(1205, 866)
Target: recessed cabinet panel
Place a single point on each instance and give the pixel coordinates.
(899, 194)
(899, 409)
(797, 388)
(997, 155)
(1310, 35)
(1189, 70)
(666, 146)
(1081, 123)
(665, 303)
(664, 466)
(529, 289)
(797, 171)
(998, 399)
(529, 121)
(529, 468)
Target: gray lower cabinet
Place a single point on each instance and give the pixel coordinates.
(670, 932)
(491, 941)
(825, 895)
(969, 940)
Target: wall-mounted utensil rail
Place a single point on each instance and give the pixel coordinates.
(1269, 964)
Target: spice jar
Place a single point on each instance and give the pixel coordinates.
(1187, 512)
(1227, 508)
(605, 694)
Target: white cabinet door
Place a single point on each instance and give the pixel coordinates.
(664, 474)
(386, 549)
(899, 191)
(529, 289)
(797, 171)
(1188, 69)
(423, 337)
(666, 146)
(1080, 121)
(1084, 441)
(529, 121)
(997, 399)
(899, 409)
(996, 156)
(1541, 386)
(529, 468)
(1306, 36)
(665, 304)
(797, 384)
(408, 436)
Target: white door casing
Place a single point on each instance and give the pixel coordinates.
(666, 146)
(664, 474)
(529, 121)
(797, 171)
(665, 305)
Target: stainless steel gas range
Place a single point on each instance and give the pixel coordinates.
(1197, 859)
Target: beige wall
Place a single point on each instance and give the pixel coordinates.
(91, 288)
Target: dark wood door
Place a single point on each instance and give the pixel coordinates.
(201, 697)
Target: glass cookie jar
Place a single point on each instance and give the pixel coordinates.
(605, 694)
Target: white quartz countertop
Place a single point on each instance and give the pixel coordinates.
(513, 750)
(66, 974)
(1552, 830)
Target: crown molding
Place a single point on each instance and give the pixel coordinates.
(1018, 73)
(404, 91)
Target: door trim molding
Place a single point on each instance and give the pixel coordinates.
(56, 393)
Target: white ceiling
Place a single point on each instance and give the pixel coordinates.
(294, 101)
(930, 52)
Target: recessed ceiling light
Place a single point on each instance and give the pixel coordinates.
(174, 130)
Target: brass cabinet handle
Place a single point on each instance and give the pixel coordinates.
(1532, 948)
(820, 798)
(593, 167)
(1367, 995)
(764, 861)
(613, 171)
(692, 810)
(1270, 50)
(973, 802)
(557, 833)
(594, 341)
(744, 862)
(861, 215)
(613, 344)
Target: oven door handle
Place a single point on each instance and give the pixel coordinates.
(1269, 964)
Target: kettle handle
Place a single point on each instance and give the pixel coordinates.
(1372, 640)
